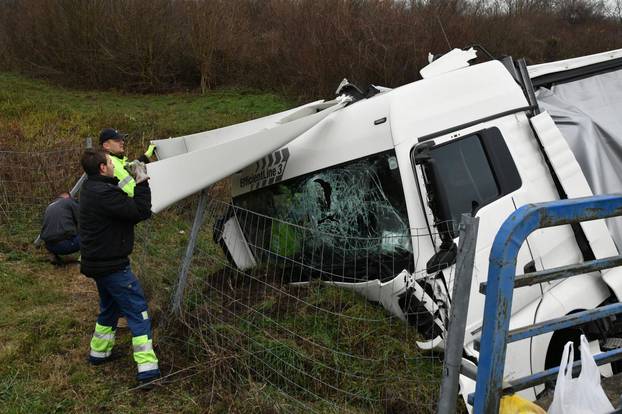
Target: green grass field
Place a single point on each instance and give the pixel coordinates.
(47, 313)
(35, 114)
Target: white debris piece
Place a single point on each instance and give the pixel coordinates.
(456, 59)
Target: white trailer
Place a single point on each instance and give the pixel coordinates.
(483, 139)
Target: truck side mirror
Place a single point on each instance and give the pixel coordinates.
(445, 257)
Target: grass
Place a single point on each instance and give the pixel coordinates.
(218, 361)
(327, 348)
(34, 113)
(47, 313)
(46, 317)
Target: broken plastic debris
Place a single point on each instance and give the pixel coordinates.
(456, 59)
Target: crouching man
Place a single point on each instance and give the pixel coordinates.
(60, 228)
(107, 219)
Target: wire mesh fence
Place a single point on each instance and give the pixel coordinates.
(31, 180)
(319, 322)
(275, 317)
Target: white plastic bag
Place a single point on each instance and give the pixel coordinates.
(582, 395)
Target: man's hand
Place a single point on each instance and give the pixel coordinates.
(138, 170)
(149, 152)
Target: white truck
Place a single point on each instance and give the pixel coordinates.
(403, 164)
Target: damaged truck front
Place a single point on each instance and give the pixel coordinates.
(383, 181)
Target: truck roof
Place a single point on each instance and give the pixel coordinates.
(382, 122)
(422, 109)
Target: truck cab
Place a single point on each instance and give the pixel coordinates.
(381, 184)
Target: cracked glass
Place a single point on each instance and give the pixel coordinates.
(344, 223)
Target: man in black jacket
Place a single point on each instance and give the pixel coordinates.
(107, 219)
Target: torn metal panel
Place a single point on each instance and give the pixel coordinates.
(177, 177)
(587, 112)
(575, 185)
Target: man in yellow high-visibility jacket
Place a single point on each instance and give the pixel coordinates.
(113, 142)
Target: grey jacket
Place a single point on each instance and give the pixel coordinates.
(60, 221)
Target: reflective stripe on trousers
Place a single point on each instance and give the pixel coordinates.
(144, 356)
(102, 341)
(96, 354)
(151, 366)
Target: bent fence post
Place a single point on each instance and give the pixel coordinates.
(89, 144)
(458, 313)
(187, 260)
(78, 185)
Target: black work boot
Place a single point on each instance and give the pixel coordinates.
(56, 260)
(147, 384)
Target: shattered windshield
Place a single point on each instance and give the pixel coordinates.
(344, 223)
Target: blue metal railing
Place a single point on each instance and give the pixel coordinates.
(502, 281)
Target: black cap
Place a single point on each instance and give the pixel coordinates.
(110, 133)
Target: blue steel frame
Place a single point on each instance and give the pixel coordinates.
(500, 286)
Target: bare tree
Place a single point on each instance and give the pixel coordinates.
(301, 47)
(217, 28)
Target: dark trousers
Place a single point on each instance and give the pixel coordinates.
(67, 246)
(120, 294)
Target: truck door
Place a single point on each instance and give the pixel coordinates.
(474, 170)
(471, 171)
